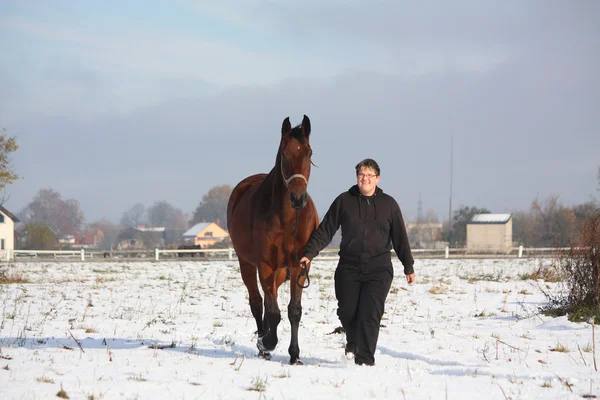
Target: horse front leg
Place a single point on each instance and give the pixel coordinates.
(295, 312)
(272, 317)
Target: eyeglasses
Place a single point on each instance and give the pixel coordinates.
(368, 176)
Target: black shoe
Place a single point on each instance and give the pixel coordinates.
(349, 349)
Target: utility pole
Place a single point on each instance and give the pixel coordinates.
(420, 211)
(450, 200)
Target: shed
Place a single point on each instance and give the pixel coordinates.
(489, 231)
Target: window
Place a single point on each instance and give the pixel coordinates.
(208, 234)
(1, 244)
(1, 218)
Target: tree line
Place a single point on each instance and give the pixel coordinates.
(547, 223)
(49, 217)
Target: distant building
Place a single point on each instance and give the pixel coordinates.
(489, 231)
(141, 238)
(424, 235)
(205, 234)
(84, 241)
(7, 231)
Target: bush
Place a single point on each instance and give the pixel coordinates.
(580, 267)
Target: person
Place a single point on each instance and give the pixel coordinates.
(372, 224)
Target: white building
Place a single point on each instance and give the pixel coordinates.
(7, 233)
(489, 231)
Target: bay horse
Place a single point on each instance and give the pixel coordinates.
(270, 218)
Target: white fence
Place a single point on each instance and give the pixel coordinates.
(229, 254)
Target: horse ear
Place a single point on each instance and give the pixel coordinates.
(286, 127)
(306, 126)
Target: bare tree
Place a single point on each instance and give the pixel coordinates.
(461, 218)
(135, 216)
(64, 217)
(162, 213)
(213, 207)
(555, 224)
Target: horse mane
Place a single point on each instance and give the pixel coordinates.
(296, 133)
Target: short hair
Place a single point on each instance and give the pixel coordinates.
(368, 163)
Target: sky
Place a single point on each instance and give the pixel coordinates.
(183, 330)
(117, 103)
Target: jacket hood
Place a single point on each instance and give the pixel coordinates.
(355, 191)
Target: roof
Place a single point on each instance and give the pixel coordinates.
(9, 214)
(196, 229)
(152, 229)
(85, 238)
(490, 218)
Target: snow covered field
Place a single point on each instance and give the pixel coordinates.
(467, 329)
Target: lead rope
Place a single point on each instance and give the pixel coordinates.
(304, 270)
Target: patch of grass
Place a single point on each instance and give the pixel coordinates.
(62, 394)
(286, 373)
(561, 348)
(524, 292)
(217, 324)
(137, 378)
(587, 348)
(526, 336)
(44, 379)
(581, 313)
(258, 384)
(9, 277)
(482, 277)
(548, 273)
(438, 290)
(547, 384)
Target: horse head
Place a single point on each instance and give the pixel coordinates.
(294, 160)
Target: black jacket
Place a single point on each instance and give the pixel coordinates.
(370, 227)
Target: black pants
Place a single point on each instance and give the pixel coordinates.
(361, 302)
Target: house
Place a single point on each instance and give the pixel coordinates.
(205, 234)
(84, 241)
(141, 238)
(7, 232)
(489, 231)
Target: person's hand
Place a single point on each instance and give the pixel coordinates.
(305, 261)
(410, 278)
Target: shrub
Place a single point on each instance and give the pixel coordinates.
(580, 267)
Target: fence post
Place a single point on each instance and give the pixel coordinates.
(447, 252)
(230, 253)
(156, 254)
(520, 251)
(82, 253)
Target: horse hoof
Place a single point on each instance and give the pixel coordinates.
(297, 362)
(266, 355)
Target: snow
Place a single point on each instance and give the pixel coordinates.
(490, 218)
(183, 330)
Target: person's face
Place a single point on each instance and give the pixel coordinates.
(367, 180)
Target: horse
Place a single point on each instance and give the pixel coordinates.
(190, 247)
(270, 217)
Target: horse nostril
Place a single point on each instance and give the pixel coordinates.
(298, 201)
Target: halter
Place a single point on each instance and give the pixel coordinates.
(287, 181)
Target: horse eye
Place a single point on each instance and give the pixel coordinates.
(310, 155)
